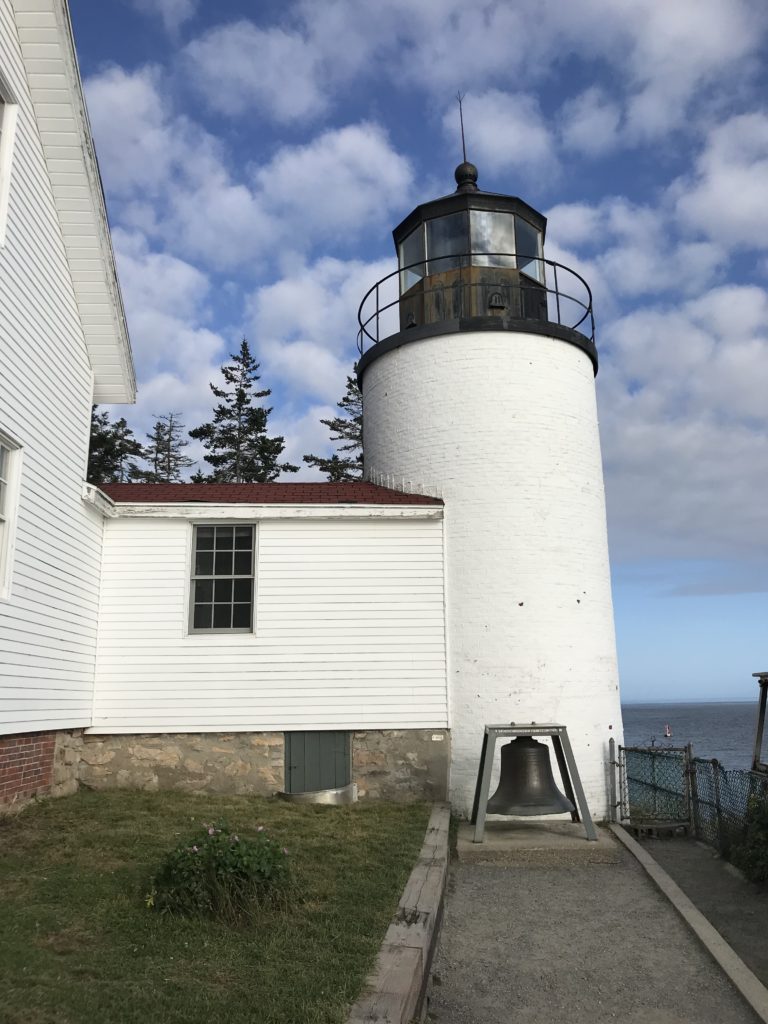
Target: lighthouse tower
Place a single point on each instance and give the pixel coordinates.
(477, 369)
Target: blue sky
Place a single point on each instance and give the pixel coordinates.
(256, 157)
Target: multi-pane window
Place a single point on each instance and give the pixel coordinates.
(9, 455)
(222, 578)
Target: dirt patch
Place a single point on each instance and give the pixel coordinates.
(72, 939)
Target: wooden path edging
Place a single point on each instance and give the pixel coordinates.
(395, 989)
(747, 983)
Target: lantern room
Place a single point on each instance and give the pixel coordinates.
(472, 253)
(474, 260)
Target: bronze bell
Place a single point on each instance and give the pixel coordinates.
(526, 783)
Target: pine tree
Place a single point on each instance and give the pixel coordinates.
(113, 448)
(349, 429)
(165, 451)
(236, 442)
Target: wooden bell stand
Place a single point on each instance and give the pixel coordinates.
(565, 762)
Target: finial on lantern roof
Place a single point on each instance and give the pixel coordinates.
(466, 177)
(465, 173)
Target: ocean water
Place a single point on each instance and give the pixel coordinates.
(724, 731)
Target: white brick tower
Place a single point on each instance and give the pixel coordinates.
(484, 393)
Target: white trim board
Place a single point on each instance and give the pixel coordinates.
(197, 510)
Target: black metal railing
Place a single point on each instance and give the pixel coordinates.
(520, 288)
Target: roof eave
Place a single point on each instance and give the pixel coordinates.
(273, 510)
(88, 243)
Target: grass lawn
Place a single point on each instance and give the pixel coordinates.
(78, 946)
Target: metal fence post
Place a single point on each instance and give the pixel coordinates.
(718, 805)
(612, 778)
(693, 790)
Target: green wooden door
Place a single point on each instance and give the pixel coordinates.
(316, 760)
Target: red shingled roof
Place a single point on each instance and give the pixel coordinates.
(352, 493)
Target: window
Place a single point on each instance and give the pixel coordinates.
(447, 242)
(529, 250)
(492, 233)
(412, 251)
(8, 111)
(10, 461)
(222, 579)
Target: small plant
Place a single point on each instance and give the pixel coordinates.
(751, 855)
(220, 874)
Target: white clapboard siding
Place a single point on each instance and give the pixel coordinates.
(48, 625)
(349, 631)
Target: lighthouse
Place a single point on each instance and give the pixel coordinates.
(477, 367)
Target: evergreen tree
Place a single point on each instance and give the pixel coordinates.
(236, 442)
(165, 451)
(113, 448)
(349, 429)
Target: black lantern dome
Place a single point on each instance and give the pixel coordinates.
(474, 260)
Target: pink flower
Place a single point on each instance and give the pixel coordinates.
(211, 831)
(194, 849)
(260, 828)
(285, 851)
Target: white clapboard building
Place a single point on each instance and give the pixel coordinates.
(63, 346)
(295, 637)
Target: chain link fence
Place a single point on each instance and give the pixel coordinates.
(720, 802)
(655, 784)
(669, 786)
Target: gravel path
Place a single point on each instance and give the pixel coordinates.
(576, 944)
(738, 909)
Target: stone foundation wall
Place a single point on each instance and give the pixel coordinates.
(66, 762)
(201, 763)
(401, 765)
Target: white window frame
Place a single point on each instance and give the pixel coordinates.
(9, 110)
(9, 511)
(193, 630)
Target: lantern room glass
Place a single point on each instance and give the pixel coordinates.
(495, 238)
(412, 252)
(447, 239)
(528, 248)
(492, 237)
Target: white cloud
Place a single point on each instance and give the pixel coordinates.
(336, 185)
(241, 68)
(683, 424)
(725, 197)
(678, 49)
(504, 131)
(173, 179)
(173, 13)
(157, 280)
(222, 222)
(589, 123)
(142, 147)
(627, 249)
(304, 435)
(176, 353)
(307, 327)
(661, 58)
(575, 224)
